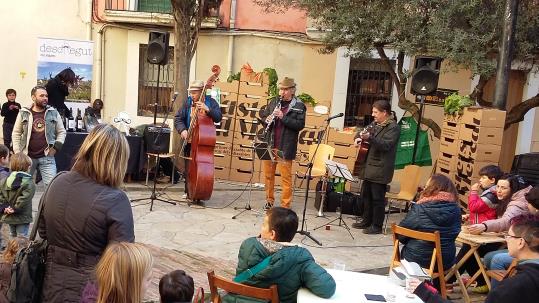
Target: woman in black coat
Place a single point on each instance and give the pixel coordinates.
(84, 210)
(58, 89)
(436, 210)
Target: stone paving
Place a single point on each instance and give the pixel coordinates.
(199, 239)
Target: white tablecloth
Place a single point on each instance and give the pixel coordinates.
(352, 287)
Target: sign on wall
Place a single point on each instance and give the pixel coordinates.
(55, 55)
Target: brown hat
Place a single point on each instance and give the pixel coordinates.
(196, 85)
(287, 83)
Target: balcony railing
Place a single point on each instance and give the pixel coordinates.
(146, 6)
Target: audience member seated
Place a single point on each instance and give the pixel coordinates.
(436, 210)
(176, 287)
(523, 244)
(290, 267)
(84, 210)
(482, 205)
(5, 265)
(511, 191)
(122, 275)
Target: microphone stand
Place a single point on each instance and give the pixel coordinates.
(308, 175)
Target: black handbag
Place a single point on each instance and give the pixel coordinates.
(28, 268)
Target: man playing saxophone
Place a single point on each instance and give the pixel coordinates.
(284, 118)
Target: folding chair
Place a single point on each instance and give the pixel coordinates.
(324, 152)
(499, 275)
(409, 182)
(436, 268)
(270, 294)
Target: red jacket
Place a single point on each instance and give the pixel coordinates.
(480, 210)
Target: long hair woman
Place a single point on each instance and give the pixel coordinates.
(58, 89)
(123, 273)
(6, 262)
(84, 210)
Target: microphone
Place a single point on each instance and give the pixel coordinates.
(175, 96)
(335, 116)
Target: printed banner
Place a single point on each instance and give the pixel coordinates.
(55, 55)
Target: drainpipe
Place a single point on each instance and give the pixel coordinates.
(232, 25)
(89, 7)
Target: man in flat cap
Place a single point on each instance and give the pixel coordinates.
(284, 117)
(182, 119)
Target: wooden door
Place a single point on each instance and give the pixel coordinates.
(517, 80)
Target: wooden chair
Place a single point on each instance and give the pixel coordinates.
(411, 176)
(499, 275)
(436, 268)
(270, 294)
(324, 152)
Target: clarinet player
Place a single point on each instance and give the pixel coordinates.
(284, 118)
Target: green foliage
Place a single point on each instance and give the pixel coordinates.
(273, 78)
(464, 32)
(307, 99)
(455, 103)
(233, 77)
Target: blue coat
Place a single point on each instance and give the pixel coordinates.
(442, 216)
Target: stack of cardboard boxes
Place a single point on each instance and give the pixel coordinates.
(468, 143)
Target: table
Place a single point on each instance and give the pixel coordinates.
(352, 287)
(73, 141)
(475, 241)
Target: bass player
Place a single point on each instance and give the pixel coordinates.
(377, 169)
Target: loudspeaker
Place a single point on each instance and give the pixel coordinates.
(157, 139)
(425, 75)
(527, 166)
(157, 52)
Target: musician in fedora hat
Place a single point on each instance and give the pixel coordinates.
(284, 118)
(182, 119)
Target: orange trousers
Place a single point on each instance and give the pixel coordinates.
(285, 168)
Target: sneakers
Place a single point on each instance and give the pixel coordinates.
(268, 205)
(483, 289)
(372, 230)
(360, 225)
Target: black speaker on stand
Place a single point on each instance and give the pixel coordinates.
(424, 82)
(157, 138)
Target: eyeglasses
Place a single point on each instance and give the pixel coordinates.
(511, 236)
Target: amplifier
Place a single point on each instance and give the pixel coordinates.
(527, 166)
(157, 139)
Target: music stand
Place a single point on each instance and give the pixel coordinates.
(264, 152)
(339, 170)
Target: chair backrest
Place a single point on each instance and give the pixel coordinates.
(270, 294)
(436, 268)
(411, 176)
(324, 152)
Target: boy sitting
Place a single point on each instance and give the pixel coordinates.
(482, 206)
(175, 287)
(290, 267)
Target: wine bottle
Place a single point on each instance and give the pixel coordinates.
(80, 125)
(71, 124)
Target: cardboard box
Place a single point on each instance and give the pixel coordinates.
(335, 135)
(308, 136)
(246, 164)
(478, 152)
(481, 135)
(254, 88)
(452, 118)
(448, 163)
(463, 185)
(469, 169)
(315, 119)
(484, 117)
(222, 149)
(247, 110)
(247, 129)
(220, 160)
(231, 87)
(251, 76)
(225, 130)
(445, 171)
(449, 146)
(239, 175)
(252, 99)
(221, 173)
(228, 104)
(450, 129)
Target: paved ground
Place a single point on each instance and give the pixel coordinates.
(200, 239)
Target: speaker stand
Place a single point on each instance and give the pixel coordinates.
(418, 127)
(153, 196)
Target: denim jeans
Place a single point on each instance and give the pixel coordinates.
(19, 229)
(497, 260)
(47, 168)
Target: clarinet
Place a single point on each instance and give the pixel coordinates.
(271, 118)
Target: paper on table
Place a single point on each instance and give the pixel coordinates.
(413, 269)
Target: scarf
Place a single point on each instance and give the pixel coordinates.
(442, 196)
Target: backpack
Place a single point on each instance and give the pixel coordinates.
(28, 268)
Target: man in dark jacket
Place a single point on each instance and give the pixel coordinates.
(283, 118)
(377, 170)
(290, 267)
(182, 120)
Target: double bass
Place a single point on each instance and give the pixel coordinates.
(201, 134)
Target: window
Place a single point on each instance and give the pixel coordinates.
(155, 6)
(148, 88)
(367, 82)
